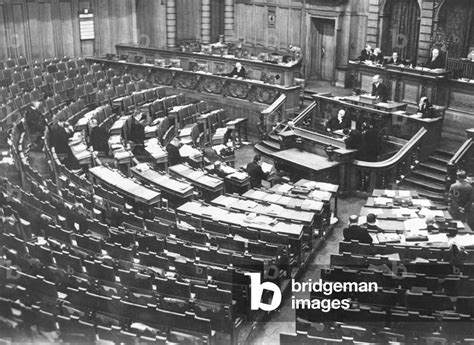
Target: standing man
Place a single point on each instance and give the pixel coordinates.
(379, 90)
(35, 124)
(460, 197)
(174, 157)
(255, 172)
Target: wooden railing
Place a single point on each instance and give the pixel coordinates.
(462, 159)
(461, 68)
(365, 176)
(272, 116)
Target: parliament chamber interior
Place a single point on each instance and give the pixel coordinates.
(237, 172)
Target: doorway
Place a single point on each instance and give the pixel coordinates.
(322, 41)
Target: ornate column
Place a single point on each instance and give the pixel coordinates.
(206, 21)
(171, 23)
(229, 20)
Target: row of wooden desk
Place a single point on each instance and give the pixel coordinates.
(125, 186)
(176, 191)
(402, 215)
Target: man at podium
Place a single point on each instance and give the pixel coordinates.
(379, 90)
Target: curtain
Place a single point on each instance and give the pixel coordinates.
(403, 17)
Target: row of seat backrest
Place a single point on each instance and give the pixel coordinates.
(406, 253)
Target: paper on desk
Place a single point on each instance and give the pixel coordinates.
(392, 257)
(282, 188)
(273, 197)
(239, 175)
(437, 238)
(382, 200)
(142, 167)
(267, 168)
(404, 193)
(275, 209)
(390, 193)
(415, 224)
(404, 212)
(465, 240)
(431, 213)
(421, 202)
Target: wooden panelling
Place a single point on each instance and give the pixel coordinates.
(46, 28)
(188, 19)
(151, 23)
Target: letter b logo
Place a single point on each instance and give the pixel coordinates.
(256, 292)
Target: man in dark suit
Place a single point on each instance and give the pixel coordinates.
(353, 139)
(366, 54)
(174, 157)
(435, 61)
(355, 232)
(371, 142)
(460, 197)
(255, 172)
(395, 59)
(425, 108)
(238, 71)
(35, 124)
(98, 137)
(339, 122)
(379, 90)
(377, 56)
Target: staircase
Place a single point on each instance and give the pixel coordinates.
(268, 146)
(428, 178)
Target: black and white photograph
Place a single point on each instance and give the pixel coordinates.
(236, 172)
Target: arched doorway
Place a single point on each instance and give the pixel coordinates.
(400, 28)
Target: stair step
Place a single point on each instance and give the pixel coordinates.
(439, 158)
(265, 150)
(271, 144)
(424, 184)
(434, 165)
(274, 137)
(445, 152)
(434, 176)
(436, 197)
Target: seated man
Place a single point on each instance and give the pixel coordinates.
(372, 223)
(60, 135)
(217, 170)
(238, 71)
(379, 90)
(425, 108)
(98, 137)
(436, 61)
(377, 56)
(355, 232)
(470, 56)
(174, 157)
(395, 59)
(366, 54)
(339, 122)
(255, 172)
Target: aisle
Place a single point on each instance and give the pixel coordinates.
(284, 320)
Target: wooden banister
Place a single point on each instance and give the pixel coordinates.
(366, 176)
